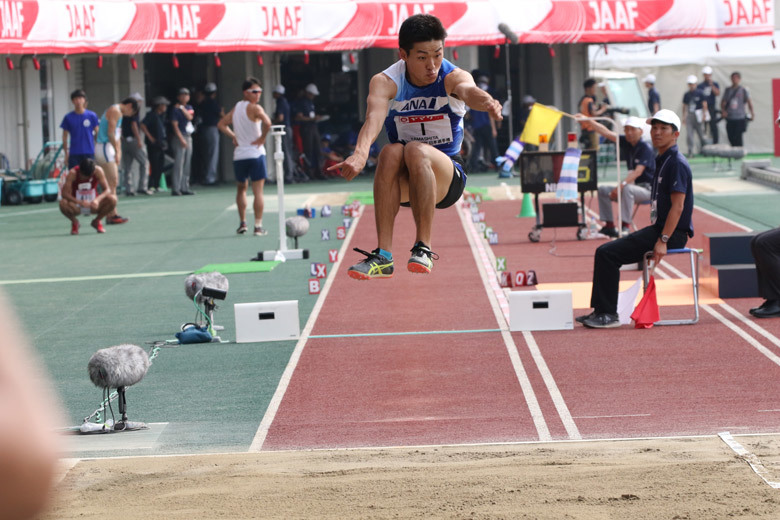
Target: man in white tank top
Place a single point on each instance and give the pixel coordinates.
(250, 126)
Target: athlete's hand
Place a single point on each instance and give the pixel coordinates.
(494, 109)
(351, 167)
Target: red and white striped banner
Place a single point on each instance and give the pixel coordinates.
(139, 26)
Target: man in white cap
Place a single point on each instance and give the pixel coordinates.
(640, 162)
(653, 98)
(711, 91)
(695, 113)
(281, 116)
(307, 118)
(670, 217)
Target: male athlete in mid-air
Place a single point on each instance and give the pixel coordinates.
(421, 100)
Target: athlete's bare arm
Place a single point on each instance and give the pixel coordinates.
(67, 188)
(380, 91)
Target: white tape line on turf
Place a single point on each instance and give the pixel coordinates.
(492, 290)
(753, 461)
(94, 277)
(724, 219)
(284, 382)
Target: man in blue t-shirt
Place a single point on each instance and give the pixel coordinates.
(670, 216)
(80, 126)
(695, 113)
(635, 188)
(420, 100)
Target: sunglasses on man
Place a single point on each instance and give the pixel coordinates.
(255, 90)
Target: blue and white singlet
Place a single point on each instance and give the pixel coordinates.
(425, 114)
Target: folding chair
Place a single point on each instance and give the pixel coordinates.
(695, 255)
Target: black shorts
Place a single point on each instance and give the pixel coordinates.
(457, 185)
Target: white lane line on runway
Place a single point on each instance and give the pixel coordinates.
(273, 407)
(750, 323)
(494, 293)
(728, 323)
(612, 416)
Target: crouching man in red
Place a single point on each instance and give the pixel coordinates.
(79, 195)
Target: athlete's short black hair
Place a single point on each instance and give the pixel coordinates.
(248, 82)
(132, 102)
(87, 166)
(420, 28)
(589, 83)
(78, 93)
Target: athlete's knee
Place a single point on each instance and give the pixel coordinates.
(416, 152)
(391, 154)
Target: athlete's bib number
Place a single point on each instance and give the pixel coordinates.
(85, 192)
(432, 129)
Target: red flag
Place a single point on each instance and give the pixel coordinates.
(646, 312)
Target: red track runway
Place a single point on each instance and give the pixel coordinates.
(373, 374)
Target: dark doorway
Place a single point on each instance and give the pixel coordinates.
(162, 79)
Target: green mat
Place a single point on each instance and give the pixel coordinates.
(239, 267)
(364, 197)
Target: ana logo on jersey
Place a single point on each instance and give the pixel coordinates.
(419, 104)
(86, 123)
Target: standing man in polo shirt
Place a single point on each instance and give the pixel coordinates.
(693, 101)
(653, 97)
(153, 126)
(711, 91)
(210, 113)
(78, 130)
(734, 105)
(282, 117)
(133, 151)
(670, 216)
(307, 118)
(182, 115)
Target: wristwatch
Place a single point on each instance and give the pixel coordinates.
(664, 238)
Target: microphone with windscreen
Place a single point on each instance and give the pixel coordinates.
(509, 33)
(205, 288)
(119, 367)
